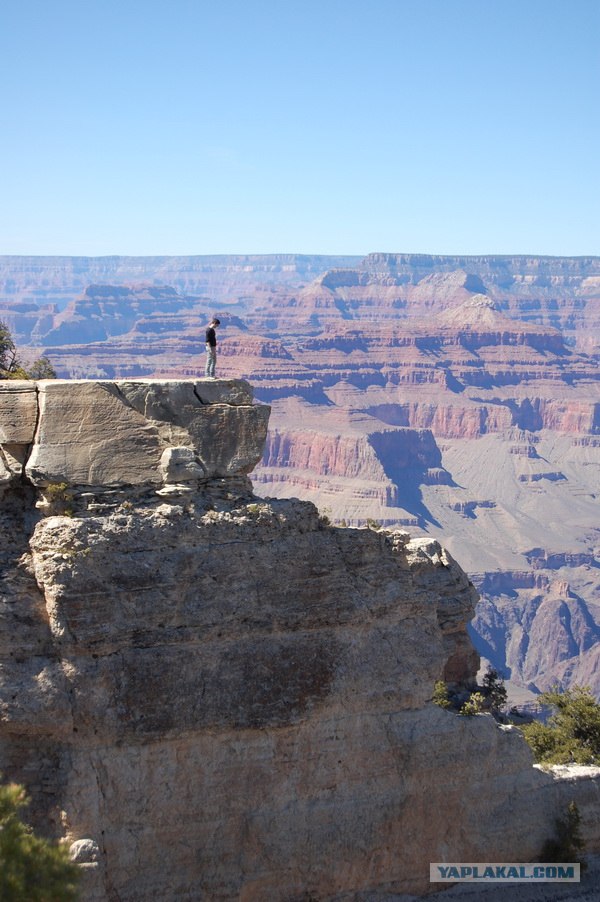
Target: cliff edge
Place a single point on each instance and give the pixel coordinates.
(211, 695)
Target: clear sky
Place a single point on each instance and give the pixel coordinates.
(321, 126)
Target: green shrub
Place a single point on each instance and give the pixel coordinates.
(494, 691)
(473, 705)
(568, 844)
(58, 491)
(572, 734)
(440, 695)
(31, 869)
(59, 497)
(41, 369)
(11, 366)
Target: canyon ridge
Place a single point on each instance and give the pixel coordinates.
(456, 397)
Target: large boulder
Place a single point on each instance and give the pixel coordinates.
(18, 418)
(128, 433)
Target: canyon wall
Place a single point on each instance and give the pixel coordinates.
(213, 695)
(455, 396)
(284, 291)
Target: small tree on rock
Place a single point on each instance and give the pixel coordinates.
(32, 869)
(494, 691)
(572, 734)
(12, 368)
(8, 352)
(567, 844)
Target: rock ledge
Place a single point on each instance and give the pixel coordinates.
(112, 434)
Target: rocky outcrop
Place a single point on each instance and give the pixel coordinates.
(484, 352)
(212, 695)
(102, 435)
(18, 403)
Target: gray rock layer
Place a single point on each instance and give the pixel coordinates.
(113, 434)
(221, 697)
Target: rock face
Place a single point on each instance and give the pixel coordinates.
(214, 696)
(114, 434)
(455, 396)
(18, 402)
(540, 626)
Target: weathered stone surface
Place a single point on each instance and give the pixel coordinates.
(18, 406)
(14, 457)
(109, 434)
(332, 808)
(84, 851)
(251, 689)
(87, 435)
(168, 400)
(18, 417)
(224, 391)
(436, 571)
(236, 681)
(180, 465)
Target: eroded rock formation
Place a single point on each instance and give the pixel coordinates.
(128, 433)
(216, 696)
(474, 363)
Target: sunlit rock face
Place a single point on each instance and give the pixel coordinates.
(211, 695)
(129, 433)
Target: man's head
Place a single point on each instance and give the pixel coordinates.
(215, 322)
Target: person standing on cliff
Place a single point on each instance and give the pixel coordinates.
(211, 348)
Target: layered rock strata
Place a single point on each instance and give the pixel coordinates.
(478, 429)
(102, 435)
(282, 290)
(496, 357)
(215, 696)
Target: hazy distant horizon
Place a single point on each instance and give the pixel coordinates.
(308, 255)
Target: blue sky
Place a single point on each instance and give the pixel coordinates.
(268, 126)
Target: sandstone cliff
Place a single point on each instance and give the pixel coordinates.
(216, 696)
(440, 394)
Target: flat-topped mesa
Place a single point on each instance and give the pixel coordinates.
(160, 435)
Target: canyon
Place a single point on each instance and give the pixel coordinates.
(213, 695)
(457, 397)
